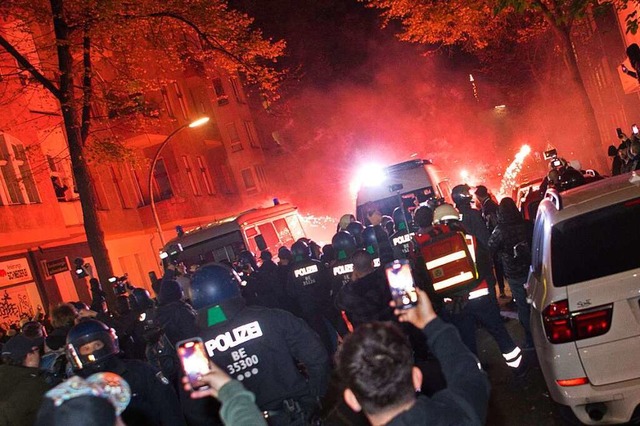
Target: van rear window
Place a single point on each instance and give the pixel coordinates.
(597, 244)
(411, 201)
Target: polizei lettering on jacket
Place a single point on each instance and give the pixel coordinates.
(402, 239)
(305, 271)
(342, 269)
(233, 338)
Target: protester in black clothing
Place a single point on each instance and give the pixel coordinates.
(260, 347)
(176, 317)
(511, 240)
(92, 347)
(376, 365)
(489, 210)
(22, 384)
(366, 297)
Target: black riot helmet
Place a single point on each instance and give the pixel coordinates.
(570, 178)
(400, 220)
(300, 251)
(88, 331)
(212, 284)
(344, 244)
(461, 195)
(387, 224)
(140, 299)
(247, 258)
(370, 241)
(355, 228)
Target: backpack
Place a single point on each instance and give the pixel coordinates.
(448, 260)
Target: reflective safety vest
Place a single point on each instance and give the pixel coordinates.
(450, 260)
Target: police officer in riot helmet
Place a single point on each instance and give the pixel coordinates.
(92, 347)
(355, 228)
(260, 347)
(401, 241)
(309, 287)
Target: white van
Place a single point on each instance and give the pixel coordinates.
(255, 230)
(414, 181)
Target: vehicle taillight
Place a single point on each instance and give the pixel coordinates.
(561, 325)
(557, 322)
(593, 323)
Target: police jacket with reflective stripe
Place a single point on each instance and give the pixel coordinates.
(260, 346)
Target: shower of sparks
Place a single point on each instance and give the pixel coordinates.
(509, 181)
(475, 88)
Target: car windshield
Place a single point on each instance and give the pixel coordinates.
(596, 244)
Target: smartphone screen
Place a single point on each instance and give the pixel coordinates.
(619, 132)
(634, 129)
(194, 360)
(401, 284)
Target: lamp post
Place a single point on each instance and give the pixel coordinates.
(196, 123)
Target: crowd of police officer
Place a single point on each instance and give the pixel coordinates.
(275, 326)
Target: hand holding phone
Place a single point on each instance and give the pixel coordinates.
(194, 361)
(214, 380)
(403, 290)
(634, 129)
(419, 316)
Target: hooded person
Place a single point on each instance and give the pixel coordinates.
(511, 240)
(175, 316)
(23, 384)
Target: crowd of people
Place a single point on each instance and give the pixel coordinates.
(626, 156)
(276, 333)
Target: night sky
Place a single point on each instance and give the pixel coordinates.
(356, 94)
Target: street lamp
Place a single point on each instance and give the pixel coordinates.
(196, 123)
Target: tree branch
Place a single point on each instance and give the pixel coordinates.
(211, 42)
(28, 66)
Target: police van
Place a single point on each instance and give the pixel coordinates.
(414, 182)
(258, 229)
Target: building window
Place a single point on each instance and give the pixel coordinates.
(118, 181)
(198, 103)
(247, 178)
(237, 89)
(234, 136)
(181, 101)
(251, 134)
(221, 96)
(262, 177)
(99, 192)
(167, 102)
(17, 184)
(205, 176)
(137, 186)
(161, 184)
(224, 178)
(192, 180)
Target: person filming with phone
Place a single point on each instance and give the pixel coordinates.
(376, 366)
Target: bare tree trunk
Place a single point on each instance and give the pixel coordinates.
(84, 181)
(592, 145)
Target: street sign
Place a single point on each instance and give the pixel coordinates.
(56, 266)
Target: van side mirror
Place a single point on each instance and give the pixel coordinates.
(261, 243)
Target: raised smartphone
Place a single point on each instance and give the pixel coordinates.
(400, 279)
(194, 360)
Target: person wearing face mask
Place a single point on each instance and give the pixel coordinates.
(92, 347)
